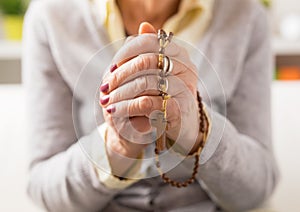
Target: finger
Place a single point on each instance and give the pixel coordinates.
(129, 38)
(140, 123)
(115, 66)
(146, 86)
(137, 67)
(130, 67)
(130, 70)
(144, 106)
(147, 43)
(134, 129)
(146, 27)
(124, 61)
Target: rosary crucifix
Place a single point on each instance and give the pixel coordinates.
(160, 122)
(165, 65)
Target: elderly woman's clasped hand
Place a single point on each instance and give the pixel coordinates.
(129, 96)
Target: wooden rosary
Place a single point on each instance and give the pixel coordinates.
(160, 122)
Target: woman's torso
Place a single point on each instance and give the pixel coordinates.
(75, 35)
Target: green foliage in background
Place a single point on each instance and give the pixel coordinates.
(266, 3)
(13, 7)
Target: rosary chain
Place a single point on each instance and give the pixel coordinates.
(203, 129)
(164, 66)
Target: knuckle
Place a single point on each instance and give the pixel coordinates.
(145, 40)
(128, 39)
(174, 119)
(184, 52)
(174, 123)
(190, 87)
(141, 84)
(145, 104)
(142, 62)
(114, 97)
(118, 78)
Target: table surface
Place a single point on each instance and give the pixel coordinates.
(10, 50)
(13, 151)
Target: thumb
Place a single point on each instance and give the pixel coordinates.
(146, 27)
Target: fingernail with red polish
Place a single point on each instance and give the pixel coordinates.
(104, 87)
(113, 67)
(104, 100)
(111, 109)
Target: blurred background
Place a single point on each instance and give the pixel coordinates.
(285, 20)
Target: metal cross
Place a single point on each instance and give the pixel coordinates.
(160, 123)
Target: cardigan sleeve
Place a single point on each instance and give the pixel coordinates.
(240, 172)
(61, 178)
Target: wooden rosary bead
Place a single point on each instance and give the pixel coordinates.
(191, 180)
(201, 111)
